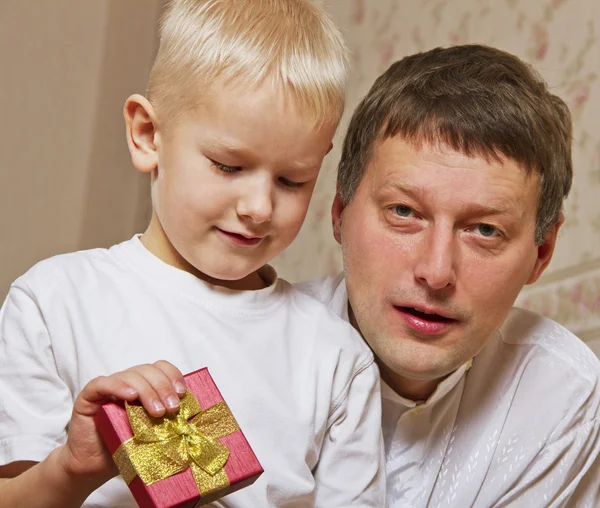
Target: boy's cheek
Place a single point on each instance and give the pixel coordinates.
(300, 207)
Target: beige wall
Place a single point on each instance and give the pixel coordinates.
(65, 178)
(561, 38)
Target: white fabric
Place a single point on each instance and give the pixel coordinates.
(300, 381)
(518, 426)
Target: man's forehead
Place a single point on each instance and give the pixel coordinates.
(398, 152)
(418, 169)
(434, 146)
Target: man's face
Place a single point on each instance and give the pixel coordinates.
(437, 246)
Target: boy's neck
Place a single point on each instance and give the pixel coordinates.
(157, 242)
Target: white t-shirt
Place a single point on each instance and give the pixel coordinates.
(517, 426)
(300, 381)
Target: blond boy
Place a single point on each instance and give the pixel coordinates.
(243, 102)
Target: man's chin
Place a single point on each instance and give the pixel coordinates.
(426, 374)
(418, 371)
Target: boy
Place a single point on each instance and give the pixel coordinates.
(243, 101)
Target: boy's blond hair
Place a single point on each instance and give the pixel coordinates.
(292, 42)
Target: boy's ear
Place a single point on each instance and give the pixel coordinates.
(140, 122)
(545, 251)
(337, 210)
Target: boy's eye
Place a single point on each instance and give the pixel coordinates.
(225, 168)
(290, 183)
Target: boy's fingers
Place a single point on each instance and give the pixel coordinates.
(174, 374)
(147, 394)
(99, 389)
(157, 386)
(161, 386)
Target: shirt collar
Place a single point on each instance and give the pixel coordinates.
(442, 389)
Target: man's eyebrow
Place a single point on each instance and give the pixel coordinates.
(413, 191)
(501, 208)
(497, 207)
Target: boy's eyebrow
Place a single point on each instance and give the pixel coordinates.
(231, 149)
(248, 155)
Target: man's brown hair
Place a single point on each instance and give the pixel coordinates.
(476, 100)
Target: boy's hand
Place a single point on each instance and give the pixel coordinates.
(158, 387)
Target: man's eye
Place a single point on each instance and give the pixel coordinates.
(487, 231)
(290, 183)
(403, 211)
(225, 168)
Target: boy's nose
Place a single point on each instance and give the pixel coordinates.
(256, 205)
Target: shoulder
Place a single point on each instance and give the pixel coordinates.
(321, 288)
(538, 368)
(528, 331)
(322, 324)
(330, 291)
(65, 272)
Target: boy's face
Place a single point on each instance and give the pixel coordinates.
(232, 181)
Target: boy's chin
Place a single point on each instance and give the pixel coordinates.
(232, 279)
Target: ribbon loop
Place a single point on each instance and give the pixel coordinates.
(208, 453)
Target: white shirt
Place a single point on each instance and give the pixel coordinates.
(518, 426)
(300, 381)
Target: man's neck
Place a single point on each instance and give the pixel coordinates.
(416, 390)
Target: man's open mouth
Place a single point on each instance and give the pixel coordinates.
(428, 316)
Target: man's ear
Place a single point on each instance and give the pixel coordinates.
(545, 251)
(337, 210)
(140, 122)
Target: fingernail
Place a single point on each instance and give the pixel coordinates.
(180, 387)
(157, 406)
(172, 402)
(130, 392)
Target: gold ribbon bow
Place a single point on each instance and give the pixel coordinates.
(162, 447)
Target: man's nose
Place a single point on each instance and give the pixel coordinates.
(256, 201)
(437, 258)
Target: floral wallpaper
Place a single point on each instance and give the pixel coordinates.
(561, 39)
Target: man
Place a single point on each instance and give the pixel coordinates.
(449, 200)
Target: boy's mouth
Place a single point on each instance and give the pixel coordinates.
(241, 239)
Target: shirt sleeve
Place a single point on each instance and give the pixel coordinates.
(564, 473)
(35, 404)
(351, 470)
(587, 492)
